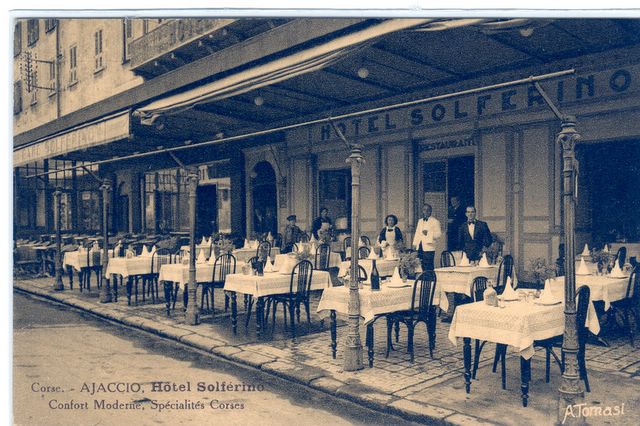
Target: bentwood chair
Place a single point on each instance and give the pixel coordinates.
(447, 259)
(263, 251)
(159, 257)
(365, 240)
(322, 257)
(422, 310)
(363, 252)
(299, 288)
(630, 304)
(505, 270)
(582, 297)
(224, 265)
(621, 256)
(346, 243)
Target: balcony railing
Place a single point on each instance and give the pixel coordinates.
(170, 36)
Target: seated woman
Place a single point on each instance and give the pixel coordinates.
(390, 239)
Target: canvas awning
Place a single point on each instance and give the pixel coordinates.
(296, 64)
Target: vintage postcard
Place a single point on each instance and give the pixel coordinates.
(325, 220)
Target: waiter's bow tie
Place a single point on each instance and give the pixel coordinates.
(472, 222)
(389, 229)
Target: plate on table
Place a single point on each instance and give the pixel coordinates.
(538, 302)
(397, 285)
(511, 299)
(583, 275)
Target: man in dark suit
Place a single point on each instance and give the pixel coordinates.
(473, 235)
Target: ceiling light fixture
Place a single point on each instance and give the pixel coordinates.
(259, 100)
(363, 72)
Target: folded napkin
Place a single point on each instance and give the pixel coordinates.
(203, 242)
(606, 248)
(268, 267)
(509, 293)
(269, 236)
(95, 246)
(465, 260)
(585, 251)
(483, 261)
(208, 242)
(254, 244)
(395, 278)
(269, 261)
(583, 269)
(313, 239)
(373, 255)
(548, 297)
(153, 250)
(246, 244)
(616, 272)
(201, 257)
(145, 251)
(212, 259)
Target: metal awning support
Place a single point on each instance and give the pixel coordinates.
(571, 391)
(527, 80)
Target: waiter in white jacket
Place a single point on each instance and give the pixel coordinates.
(427, 233)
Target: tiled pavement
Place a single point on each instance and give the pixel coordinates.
(427, 390)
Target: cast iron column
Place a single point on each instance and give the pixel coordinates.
(58, 285)
(105, 290)
(352, 343)
(571, 390)
(193, 311)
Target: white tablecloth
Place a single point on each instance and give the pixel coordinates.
(385, 267)
(138, 265)
(179, 273)
(271, 283)
(602, 288)
(279, 259)
(244, 254)
(199, 247)
(518, 324)
(372, 303)
(78, 260)
(458, 279)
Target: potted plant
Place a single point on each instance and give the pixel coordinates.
(224, 245)
(494, 251)
(541, 271)
(304, 254)
(408, 265)
(603, 259)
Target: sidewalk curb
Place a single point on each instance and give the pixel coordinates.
(407, 409)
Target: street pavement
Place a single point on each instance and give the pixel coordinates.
(428, 390)
(60, 354)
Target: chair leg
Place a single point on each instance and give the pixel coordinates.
(389, 340)
(496, 358)
(307, 309)
(248, 316)
(410, 329)
(582, 365)
(503, 365)
(273, 320)
(397, 328)
(547, 364)
(226, 302)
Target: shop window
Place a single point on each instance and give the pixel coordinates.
(17, 39)
(99, 58)
(127, 36)
(17, 97)
(165, 194)
(33, 31)
(335, 192)
(73, 64)
(50, 24)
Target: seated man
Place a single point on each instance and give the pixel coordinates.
(292, 234)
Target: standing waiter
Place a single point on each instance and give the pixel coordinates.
(473, 235)
(427, 233)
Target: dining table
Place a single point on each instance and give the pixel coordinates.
(374, 304)
(517, 324)
(175, 276)
(261, 286)
(80, 260)
(130, 268)
(385, 267)
(245, 253)
(458, 279)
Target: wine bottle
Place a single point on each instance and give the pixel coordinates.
(375, 276)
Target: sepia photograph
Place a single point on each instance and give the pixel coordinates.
(296, 219)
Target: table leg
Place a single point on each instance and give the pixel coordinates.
(70, 273)
(369, 339)
(129, 283)
(259, 315)
(334, 343)
(467, 363)
(234, 312)
(525, 377)
(168, 290)
(114, 280)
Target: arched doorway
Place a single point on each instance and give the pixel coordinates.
(264, 198)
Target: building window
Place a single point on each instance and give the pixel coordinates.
(335, 192)
(73, 64)
(33, 31)
(165, 193)
(17, 97)
(145, 26)
(17, 39)
(50, 24)
(98, 51)
(127, 35)
(52, 76)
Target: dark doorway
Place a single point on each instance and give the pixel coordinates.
(460, 194)
(335, 193)
(206, 211)
(264, 195)
(121, 209)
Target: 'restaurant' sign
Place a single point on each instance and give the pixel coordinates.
(97, 133)
(517, 98)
